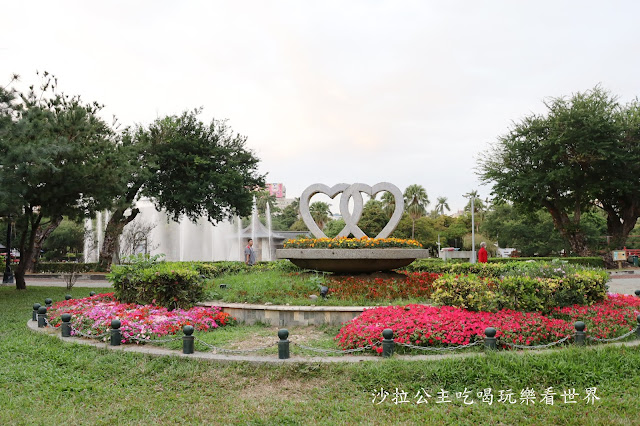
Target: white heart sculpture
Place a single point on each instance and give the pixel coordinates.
(351, 220)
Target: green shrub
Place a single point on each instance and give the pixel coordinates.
(594, 262)
(522, 290)
(169, 284)
(482, 269)
(66, 267)
(466, 291)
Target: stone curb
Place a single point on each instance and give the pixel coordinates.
(206, 356)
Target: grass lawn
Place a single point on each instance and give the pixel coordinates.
(280, 288)
(44, 380)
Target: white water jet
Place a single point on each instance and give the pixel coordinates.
(240, 250)
(99, 234)
(87, 240)
(267, 255)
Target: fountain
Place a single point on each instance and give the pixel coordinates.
(352, 260)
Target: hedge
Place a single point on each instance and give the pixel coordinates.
(66, 267)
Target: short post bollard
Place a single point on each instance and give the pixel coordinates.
(116, 334)
(637, 292)
(188, 346)
(48, 302)
(68, 297)
(66, 325)
(34, 316)
(580, 336)
(283, 344)
(92, 293)
(490, 340)
(42, 317)
(388, 345)
(638, 329)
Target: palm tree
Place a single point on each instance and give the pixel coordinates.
(478, 206)
(320, 213)
(262, 199)
(442, 204)
(388, 204)
(416, 202)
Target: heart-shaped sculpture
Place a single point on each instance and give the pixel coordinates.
(351, 219)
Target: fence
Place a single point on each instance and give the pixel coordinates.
(490, 342)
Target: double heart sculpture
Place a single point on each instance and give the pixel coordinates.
(351, 219)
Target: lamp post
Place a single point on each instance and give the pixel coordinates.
(473, 228)
(7, 278)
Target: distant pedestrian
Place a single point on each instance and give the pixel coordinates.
(249, 253)
(482, 253)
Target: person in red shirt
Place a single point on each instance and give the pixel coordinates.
(482, 253)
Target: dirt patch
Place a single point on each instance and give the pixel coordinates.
(268, 336)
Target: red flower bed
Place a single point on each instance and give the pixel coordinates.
(412, 285)
(442, 326)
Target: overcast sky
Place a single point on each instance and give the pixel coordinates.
(333, 91)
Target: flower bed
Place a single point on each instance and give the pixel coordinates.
(351, 243)
(93, 315)
(443, 326)
(412, 285)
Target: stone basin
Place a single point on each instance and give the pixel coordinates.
(355, 261)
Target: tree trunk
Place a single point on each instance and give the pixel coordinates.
(41, 235)
(569, 229)
(620, 225)
(116, 225)
(27, 239)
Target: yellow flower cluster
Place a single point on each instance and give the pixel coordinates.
(352, 243)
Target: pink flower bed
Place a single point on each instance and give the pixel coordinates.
(443, 326)
(93, 315)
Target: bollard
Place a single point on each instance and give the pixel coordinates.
(580, 336)
(34, 316)
(116, 335)
(490, 341)
(637, 292)
(92, 293)
(283, 344)
(187, 340)
(66, 325)
(638, 329)
(67, 297)
(387, 343)
(42, 317)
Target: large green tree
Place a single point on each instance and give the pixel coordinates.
(320, 213)
(583, 151)
(186, 167)
(57, 158)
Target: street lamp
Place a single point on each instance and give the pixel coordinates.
(7, 278)
(473, 228)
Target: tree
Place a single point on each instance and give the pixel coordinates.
(333, 228)
(320, 213)
(68, 237)
(373, 218)
(186, 167)
(584, 151)
(57, 158)
(263, 197)
(388, 204)
(416, 202)
(442, 205)
(283, 220)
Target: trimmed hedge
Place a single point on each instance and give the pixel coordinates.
(169, 284)
(594, 262)
(67, 267)
(497, 267)
(523, 290)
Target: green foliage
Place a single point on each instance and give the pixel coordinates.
(333, 227)
(373, 218)
(169, 284)
(320, 213)
(67, 237)
(287, 217)
(65, 267)
(527, 287)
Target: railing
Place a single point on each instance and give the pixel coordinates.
(489, 341)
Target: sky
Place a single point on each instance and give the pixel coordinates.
(407, 92)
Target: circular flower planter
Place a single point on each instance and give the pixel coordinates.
(352, 260)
